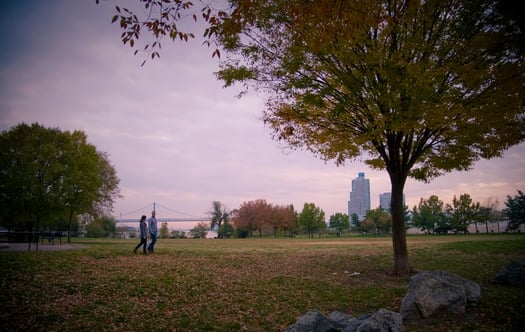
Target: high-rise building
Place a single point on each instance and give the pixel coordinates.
(385, 200)
(359, 202)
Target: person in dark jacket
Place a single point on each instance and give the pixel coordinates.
(143, 235)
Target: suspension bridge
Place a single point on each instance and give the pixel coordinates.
(146, 210)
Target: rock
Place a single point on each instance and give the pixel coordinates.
(340, 318)
(380, 321)
(313, 321)
(432, 293)
(513, 274)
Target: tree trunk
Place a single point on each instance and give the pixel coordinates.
(219, 235)
(401, 262)
(69, 225)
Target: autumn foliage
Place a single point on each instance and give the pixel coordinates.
(264, 218)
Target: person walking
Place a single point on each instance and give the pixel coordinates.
(152, 223)
(143, 235)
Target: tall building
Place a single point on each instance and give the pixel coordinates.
(385, 200)
(359, 202)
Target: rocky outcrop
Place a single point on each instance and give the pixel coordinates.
(513, 274)
(432, 293)
(380, 321)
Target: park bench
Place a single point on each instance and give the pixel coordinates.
(50, 236)
(18, 236)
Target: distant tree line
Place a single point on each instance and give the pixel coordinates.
(260, 218)
(432, 216)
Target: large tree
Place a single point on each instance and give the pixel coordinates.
(89, 183)
(312, 219)
(218, 215)
(418, 88)
(339, 222)
(515, 211)
(428, 214)
(45, 172)
(462, 213)
(253, 215)
(283, 218)
(377, 221)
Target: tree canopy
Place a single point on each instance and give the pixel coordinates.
(45, 172)
(218, 216)
(418, 88)
(377, 221)
(312, 219)
(429, 214)
(339, 221)
(264, 217)
(515, 210)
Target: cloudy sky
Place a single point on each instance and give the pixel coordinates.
(174, 135)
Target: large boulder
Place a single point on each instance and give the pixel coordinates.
(380, 321)
(432, 293)
(314, 321)
(513, 274)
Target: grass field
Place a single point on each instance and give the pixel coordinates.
(245, 284)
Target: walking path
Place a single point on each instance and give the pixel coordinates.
(41, 247)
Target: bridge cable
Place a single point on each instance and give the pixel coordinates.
(188, 215)
(134, 211)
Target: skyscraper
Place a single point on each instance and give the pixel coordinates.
(385, 200)
(359, 202)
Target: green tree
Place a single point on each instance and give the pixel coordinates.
(515, 211)
(489, 212)
(164, 232)
(177, 234)
(226, 230)
(105, 226)
(355, 221)
(428, 214)
(412, 84)
(312, 219)
(462, 213)
(407, 216)
(377, 221)
(339, 222)
(91, 182)
(477, 214)
(30, 169)
(45, 173)
(109, 225)
(94, 229)
(200, 231)
(421, 87)
(368, 226)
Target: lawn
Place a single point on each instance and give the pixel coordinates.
(244, 284)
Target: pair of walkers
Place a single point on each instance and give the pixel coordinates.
(143, 233)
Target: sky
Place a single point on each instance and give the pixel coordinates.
(175, 136)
